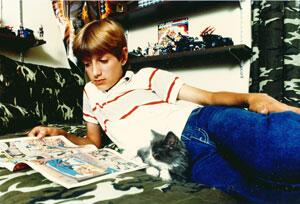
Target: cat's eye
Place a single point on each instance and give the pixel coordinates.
(156, 156)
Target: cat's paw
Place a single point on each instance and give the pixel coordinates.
(152, 171)
(165, 175)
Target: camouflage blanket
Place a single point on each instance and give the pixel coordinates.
(29, 186)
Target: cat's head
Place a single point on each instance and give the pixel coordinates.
(162, 147)
(165, 148)
(166, 153)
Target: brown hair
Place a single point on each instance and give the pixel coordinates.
(99, 37)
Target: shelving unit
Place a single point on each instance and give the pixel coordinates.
(18, 44)
(136, 16)
(234, 53)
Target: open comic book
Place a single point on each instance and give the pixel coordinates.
(63, 162)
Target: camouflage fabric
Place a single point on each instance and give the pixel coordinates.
(48, 95)
(14, 117)
(275, 67)
(28, 186)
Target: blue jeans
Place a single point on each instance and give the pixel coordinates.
(254, 156)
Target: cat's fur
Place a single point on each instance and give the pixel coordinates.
(167, 157)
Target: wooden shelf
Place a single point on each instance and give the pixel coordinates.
(165, 10)
(234, 53)
(15, 43)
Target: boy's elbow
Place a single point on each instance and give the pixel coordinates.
(207, 99)
(98, 145)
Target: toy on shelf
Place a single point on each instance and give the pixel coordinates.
(41, 32)
(8, 31)
(186, 43)
(146, 3)
(26, 33)
(212, 40)
(179, 43)
(136, 52)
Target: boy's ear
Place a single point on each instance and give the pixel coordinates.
(124, 56)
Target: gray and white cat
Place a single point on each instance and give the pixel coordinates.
(166, 156)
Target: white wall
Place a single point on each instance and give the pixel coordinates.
(36, 13)
(229, 21)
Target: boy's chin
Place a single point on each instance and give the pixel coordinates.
(103, 88)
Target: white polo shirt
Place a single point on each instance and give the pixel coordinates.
(135, 105)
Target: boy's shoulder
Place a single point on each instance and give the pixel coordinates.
(146, 71)
(90, 87)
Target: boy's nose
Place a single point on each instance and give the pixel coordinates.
(96, 70)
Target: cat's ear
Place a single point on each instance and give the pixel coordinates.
(157, 136)
(171, 140)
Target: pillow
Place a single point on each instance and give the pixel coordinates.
(14, 118)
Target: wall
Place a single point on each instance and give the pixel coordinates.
(229, 21)
(36, 13)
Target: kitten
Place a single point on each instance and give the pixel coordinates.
(167, 157)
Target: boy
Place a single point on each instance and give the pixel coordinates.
(250, 153)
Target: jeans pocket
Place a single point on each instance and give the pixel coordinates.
(196, 134)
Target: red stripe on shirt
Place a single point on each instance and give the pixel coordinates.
(105, 127)
(116, 98)
(170, 89)
(136, 107)
(107, 102)
(151, 77)
(85, 93)
(90, 116)
(97, 104)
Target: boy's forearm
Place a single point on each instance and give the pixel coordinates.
(78, 140)
(204, 97)
(229, 99)
(257, 102)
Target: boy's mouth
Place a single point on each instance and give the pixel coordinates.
(98, 81)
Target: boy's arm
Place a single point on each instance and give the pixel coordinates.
(257, 102)
(93, 135)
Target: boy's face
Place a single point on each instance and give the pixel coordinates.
(104, 71)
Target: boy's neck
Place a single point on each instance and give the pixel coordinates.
(123, 74)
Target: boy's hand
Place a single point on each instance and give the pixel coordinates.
(41, 131)
(262, 103)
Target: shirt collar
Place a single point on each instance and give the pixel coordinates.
(125, 79)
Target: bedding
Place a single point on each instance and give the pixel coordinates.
(28, 186)
(37, 95)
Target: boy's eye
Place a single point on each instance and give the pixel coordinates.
(86, 64)
(103, 60)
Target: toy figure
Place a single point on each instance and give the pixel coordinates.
(212, 40)
(41, 32)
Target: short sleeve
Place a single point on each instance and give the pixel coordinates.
(165, 84)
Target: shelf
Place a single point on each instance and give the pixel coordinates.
(234, 53)
(15, 43)
(165, 10)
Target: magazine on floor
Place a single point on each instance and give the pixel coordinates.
(63, 162)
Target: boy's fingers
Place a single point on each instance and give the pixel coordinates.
(32, 133)
(41, 134)
(37, 132)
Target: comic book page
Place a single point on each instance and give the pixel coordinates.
(11, 156)
(86, 168)
(63, 162)
(15, 153)
(169, 30)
